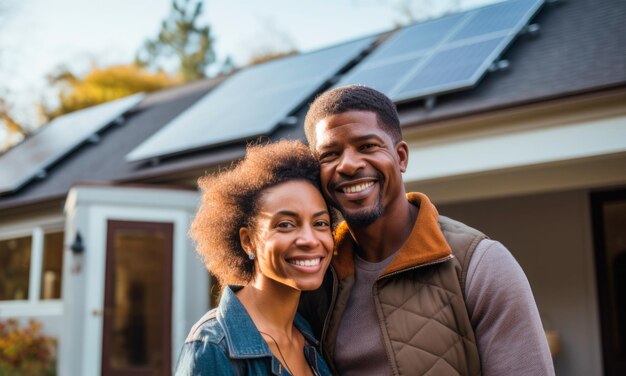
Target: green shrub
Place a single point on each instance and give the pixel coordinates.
(25, 351)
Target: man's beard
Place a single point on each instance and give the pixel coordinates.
(366, 216)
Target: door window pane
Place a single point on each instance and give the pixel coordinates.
(15, 270)
(52, 271)
(138, 299)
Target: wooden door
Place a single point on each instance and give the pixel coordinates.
(609, 220)
(138, 299)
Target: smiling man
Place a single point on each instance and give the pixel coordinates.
(409, 292)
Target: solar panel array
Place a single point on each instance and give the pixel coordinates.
(62, 135)
(443, 55)
(251, 103)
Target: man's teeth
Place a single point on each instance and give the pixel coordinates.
(312, 262)
(358, 187)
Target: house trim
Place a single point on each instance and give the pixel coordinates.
(88, 209)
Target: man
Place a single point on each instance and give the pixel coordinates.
(410, 292)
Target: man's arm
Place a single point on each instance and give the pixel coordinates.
(504, 315)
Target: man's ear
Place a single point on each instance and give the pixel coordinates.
(402, 150)
(245, 238)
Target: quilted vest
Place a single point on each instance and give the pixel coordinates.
(419, 298)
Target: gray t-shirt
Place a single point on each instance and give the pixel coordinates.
(501, 307)
(360, 349)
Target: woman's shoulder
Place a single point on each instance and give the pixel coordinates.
(205, 350)
(206, 330)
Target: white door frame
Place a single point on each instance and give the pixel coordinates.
(88, 209)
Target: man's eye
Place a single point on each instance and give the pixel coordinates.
(327, 156)
(367, 146)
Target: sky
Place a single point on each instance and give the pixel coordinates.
(36, 36)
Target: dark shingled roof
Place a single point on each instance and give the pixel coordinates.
(580, 49)
(104, 161)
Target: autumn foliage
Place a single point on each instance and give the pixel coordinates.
(101, 85)
(25, 350)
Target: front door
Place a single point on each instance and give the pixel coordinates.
(609, 217)
(136, 336)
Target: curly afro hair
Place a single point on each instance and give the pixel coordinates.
(230, 201)
(353, 98)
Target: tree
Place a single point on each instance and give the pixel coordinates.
(11, 131)
(420, 10)
(182, 42)
(102, 85)
(411, 11)
(14, 132)
(265, 56)
(271, 43)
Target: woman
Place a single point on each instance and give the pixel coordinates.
(264, 230)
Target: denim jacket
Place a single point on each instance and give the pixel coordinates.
(225, 341)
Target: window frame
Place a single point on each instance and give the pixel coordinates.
(34, 305)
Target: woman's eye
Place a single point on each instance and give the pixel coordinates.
(321, 223)
(285, 224)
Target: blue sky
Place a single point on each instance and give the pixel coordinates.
(38, 35)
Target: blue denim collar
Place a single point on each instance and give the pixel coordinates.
(242, 336)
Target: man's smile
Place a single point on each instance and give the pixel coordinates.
(357, 188)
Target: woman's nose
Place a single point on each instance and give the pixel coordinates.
(307, 237)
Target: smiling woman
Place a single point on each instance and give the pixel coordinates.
(264, 230)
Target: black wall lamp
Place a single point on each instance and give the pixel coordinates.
(77, 246)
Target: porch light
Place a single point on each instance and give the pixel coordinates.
(77, 246)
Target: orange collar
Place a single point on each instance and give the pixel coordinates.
(426, 242)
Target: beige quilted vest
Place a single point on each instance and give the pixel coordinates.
(419, 297)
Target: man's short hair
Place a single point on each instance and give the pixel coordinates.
(353, 98)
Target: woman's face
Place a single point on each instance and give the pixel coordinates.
(292, 238)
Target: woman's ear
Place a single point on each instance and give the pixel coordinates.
(246, 240)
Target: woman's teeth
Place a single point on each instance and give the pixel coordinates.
(312, 262)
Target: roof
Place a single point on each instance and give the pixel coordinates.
(104, 161)
(580, 49)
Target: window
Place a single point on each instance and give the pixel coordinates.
(14, 275)
(52, 269)
(32, 266)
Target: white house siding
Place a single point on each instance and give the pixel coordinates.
(87, 210)
(550, 236)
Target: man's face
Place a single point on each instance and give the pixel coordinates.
(361, 167)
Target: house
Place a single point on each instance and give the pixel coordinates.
(93, 230)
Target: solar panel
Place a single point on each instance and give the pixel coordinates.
(418, 38)
(443, 55)
(251, 103)
(450, 69)
(34, 155)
